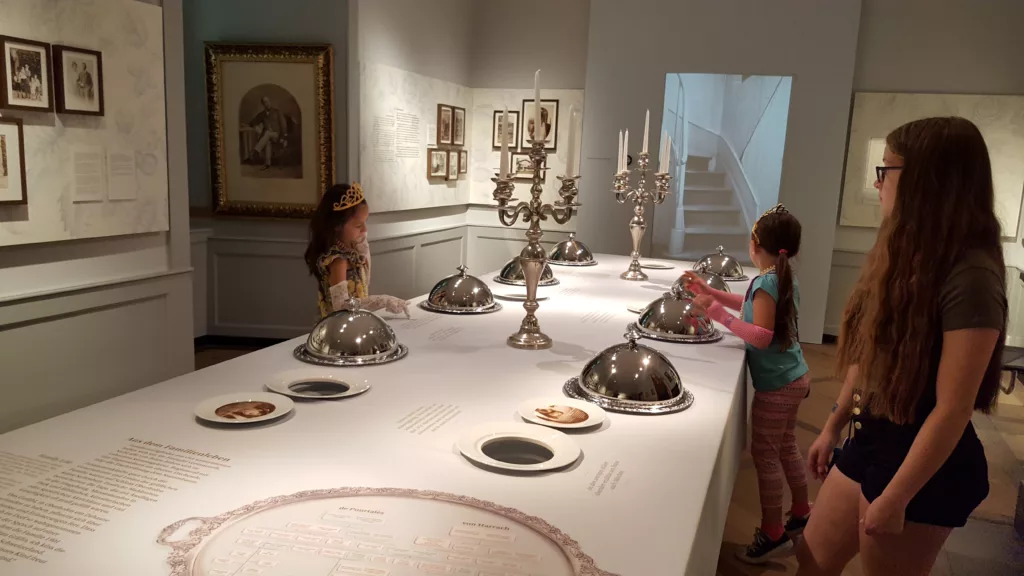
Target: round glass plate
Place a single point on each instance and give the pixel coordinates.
(578, 264)
(309, 385)
(562, 413)
(573, 389)
(518, 297)
(401, 351)
(244, 408)
(549, 282)
(494, 307)
(713, 336)
(653, 265)
(519, 447)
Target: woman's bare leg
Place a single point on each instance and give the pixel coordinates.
(830, 540)
(909, 553)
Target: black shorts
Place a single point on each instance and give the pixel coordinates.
(878, 449)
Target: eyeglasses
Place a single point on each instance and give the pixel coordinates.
(881, 170)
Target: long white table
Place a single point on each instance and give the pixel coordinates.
(663, 511)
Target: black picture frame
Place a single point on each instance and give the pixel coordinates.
(6, 78)
(60, 87)
(513, 116)
(458, 121)
(524, 123)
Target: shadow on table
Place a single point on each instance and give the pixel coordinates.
(574, 355)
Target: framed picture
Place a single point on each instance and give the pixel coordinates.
(453, 165)
(522, 167)
(549, 119)
(437, 163)
(463, 161)
(25, 72)
(513, 129)
(13, 189)
(444, 124)
(271, 122)
(459, 126)
(78, 80)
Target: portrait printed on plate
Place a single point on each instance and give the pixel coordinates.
(26, 75)
(512, 127)
(548, 120)
(78, 76)
(271, 123)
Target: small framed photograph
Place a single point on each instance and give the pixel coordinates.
(463, 161)
(13, 189)
(522, 167)
(437, 163)
(444, 124)
(459, 126)
(548, 120)
(78, 80)
(453, 165)
(25, 72)
(512, 128)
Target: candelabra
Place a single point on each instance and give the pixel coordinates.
(533, 257)
(639, 196)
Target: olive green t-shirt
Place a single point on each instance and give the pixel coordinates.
(973, 296)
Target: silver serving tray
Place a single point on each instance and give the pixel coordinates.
(573, 389)
(398, 353)
(501, 280)
(714, 336)
(493, 307)
(561, 263)
(186, 553)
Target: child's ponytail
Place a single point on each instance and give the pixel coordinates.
(785, 309)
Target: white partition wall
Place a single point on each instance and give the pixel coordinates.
(633, 45)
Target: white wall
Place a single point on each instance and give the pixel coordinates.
(950, 46)
(813, 41)
(705, 99)
(764, 152)
(87, 320)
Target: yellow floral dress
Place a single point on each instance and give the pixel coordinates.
(357, 275)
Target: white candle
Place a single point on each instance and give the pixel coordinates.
(626, 151)
(538, 133)
(570, 153)
(503, 170)
(618, 157)
(647, 128)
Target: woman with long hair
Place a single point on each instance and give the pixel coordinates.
(921, 343)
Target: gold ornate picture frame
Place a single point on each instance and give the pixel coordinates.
(271, 127)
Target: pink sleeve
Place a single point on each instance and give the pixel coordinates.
(734, 301)
(752, 334)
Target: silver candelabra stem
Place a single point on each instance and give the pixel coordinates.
(533, 257)
(639, 195)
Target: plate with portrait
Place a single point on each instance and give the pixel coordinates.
(562, 413)
(244, 408)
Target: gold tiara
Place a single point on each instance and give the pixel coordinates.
(351, 197)
(777, 209)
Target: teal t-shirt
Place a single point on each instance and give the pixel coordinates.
(773, 367)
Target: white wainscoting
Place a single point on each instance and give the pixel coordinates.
(846, 270)
(64, 351)
(251, 280)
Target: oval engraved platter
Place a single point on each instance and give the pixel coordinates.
(373, 531)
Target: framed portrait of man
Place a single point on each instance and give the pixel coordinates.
(13, 189)
(271, 122)
(512, 128)
(25, 72)
(78, 80)
(458, 126)
(444, 124)
(548, 120)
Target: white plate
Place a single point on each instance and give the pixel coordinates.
(244, 407)
(518, 297)
(562, 413)
(523, 445)
(653, 265)
(636, 307)
(291, 383)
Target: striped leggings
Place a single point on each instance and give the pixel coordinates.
(773, 445)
